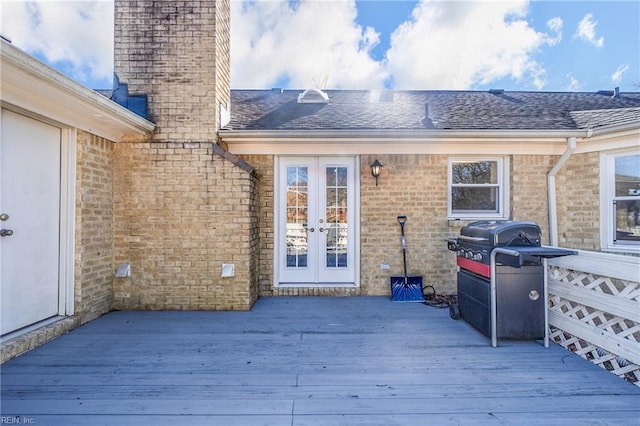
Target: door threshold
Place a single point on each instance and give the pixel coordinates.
(316, 285)
(24, 330)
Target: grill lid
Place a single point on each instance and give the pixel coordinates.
(502, 233)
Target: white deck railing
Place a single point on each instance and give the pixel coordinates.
(594, 309)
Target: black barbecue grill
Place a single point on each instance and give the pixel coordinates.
(500, 279)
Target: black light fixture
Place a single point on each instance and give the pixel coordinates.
(376, 166)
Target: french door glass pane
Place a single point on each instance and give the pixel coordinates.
(297, 217)
(336, 216)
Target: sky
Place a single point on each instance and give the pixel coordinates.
(542, 45)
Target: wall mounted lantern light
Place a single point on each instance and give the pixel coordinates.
(376, 166)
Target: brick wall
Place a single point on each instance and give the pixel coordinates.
(529, 200)
(94, 227)
(183, 206)
(416, 186)
(223, 53)
(578, 195)
(423, 199)
(177, 53)
(263, 165)
(181, 211)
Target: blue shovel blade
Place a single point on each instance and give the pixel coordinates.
(409, 291)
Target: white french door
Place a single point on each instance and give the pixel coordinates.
(316, 221)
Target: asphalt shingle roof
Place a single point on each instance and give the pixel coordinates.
(456, 110)
(600, 118)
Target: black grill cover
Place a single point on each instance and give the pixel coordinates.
(502, 233)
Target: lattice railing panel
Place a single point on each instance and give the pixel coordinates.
(618, 366)
(596, 317)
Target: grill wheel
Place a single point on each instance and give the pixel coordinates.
(454, 311)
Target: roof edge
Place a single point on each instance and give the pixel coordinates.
(615, 128)
(21, 69)
(402, 134)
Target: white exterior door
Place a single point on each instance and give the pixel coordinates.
(30, 204)
(316, 240)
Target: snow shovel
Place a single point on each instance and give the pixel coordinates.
(405, 288)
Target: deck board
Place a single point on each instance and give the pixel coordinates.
(306, 361)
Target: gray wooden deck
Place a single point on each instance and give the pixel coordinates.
(305, 361)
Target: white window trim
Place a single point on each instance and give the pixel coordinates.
(66, 295)
(607, 193)
(503, 192)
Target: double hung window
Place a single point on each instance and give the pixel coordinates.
(621, 204)
(477, 188)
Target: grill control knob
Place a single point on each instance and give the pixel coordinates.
(477, 256)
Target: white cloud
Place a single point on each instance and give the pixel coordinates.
(587, 31)
(453, 45)
(555, 24)
(457, 45)
(308, 43)
(303, 43)
(616, 77)
(75, 34)
(574, 84)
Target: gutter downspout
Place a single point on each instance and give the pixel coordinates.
(551, 190)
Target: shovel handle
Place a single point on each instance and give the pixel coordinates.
(402, 219)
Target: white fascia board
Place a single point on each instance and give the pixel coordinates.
(398, 141)
(30, 86)
(617, 138)
(632, 126)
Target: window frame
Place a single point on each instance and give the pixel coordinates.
(502, 164)
(608, 242)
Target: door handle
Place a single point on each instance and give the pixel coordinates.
(6, 232)
(321, 229)
(311, 229)
(4, 217)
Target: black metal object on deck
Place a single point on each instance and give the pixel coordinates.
(500, 279)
